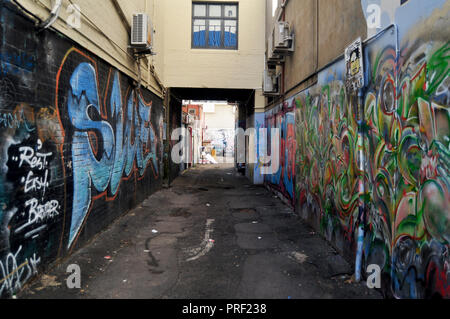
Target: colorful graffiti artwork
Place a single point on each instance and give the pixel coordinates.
(405, 130)
(260, 148)
(80, 145)
(406, 144)
(283, 118)
(222, 140)
(326, 161)
(407, 117)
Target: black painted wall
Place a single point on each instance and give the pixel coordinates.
(79, 147)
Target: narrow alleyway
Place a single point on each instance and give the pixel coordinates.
(211, 235)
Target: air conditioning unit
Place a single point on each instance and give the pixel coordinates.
(283, 38)
(272, 57)
(271, 83)
(141, 31)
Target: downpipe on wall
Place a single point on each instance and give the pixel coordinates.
(362, 218)
(361, 190)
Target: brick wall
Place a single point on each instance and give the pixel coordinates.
(80, 145)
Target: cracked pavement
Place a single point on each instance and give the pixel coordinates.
(211, 235)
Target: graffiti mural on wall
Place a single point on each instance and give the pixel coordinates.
(408, 127)
(326, 168)
(260, 148)
(222, 140)
(406, 145)
(406, 134)
(107, 144)
(16, 63)
(31, 208)
(79, 145)
(283, 118)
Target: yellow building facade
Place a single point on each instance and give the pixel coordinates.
(104, 32)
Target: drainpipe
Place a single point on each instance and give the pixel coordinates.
(361, 190)
(53, 16)
(283, 68)
(317, 36)
(362, 218)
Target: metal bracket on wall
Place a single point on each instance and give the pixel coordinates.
(53, 16)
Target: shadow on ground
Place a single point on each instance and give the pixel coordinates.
(211, 235)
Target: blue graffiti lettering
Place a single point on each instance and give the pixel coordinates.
(117, 143)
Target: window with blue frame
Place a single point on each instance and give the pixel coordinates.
(214, 25)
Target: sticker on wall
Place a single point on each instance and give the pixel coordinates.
(354, 64)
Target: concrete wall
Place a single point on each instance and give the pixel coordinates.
(379, 14)
(323, 29)
(187, 67)
(222, 118)
(105, 34)
(80, 146)
(405, 133)
(340, 23)
(302, 15)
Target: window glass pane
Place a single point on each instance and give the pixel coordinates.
(199, 10)
(215, 11)
(215, 33)
(230, 11)
(199, 33)
(214, 25)
(230, 35)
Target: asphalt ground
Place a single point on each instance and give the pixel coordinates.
(211, 235)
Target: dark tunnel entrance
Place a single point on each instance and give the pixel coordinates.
(242, 99)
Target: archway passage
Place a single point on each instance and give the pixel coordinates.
(212, 142)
